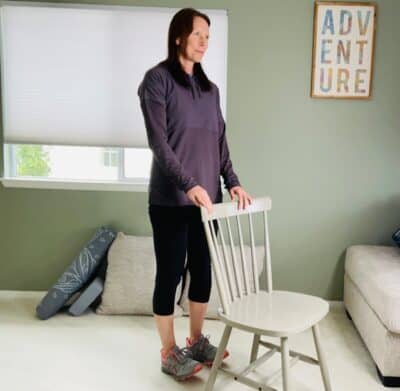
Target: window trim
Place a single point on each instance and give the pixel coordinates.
(40, 183)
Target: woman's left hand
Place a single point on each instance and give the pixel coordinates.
(244, 199)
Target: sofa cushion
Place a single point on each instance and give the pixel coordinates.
(130, 275)
(375, 270)
(214, 302)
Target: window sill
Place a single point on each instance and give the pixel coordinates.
(39, 183)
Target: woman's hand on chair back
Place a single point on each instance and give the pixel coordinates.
(199, 196)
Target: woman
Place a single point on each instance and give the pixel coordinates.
(186, 133)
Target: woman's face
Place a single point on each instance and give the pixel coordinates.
(197, 41)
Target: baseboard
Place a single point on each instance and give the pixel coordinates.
(336, 305)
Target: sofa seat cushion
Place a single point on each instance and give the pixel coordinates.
(375, 270)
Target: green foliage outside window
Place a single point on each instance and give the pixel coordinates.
(32, 161)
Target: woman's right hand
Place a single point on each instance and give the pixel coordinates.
(199, 196)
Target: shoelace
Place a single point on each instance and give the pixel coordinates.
(203, 342)
(182, 354)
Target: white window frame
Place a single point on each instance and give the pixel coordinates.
(122, 184)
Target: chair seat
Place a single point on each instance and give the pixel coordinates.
(279, 313)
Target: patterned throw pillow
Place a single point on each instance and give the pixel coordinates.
(78, 273)
(396, 237)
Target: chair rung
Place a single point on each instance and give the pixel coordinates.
(301, 356)
(249, 382)
(271, 378)
(258, 362)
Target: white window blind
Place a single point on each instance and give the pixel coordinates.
(70, 72)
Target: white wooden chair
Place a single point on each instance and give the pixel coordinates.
(260, 312)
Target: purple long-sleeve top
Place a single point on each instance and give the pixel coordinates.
(186, 133)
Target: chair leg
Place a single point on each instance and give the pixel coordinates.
(285, 363)
(254, 347)
(218, 358)
(321, 358)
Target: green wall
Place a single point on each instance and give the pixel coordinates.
(331, 167)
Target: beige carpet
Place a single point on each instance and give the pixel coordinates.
(100, 353)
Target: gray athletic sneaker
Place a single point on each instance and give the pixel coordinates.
(179, 363)
(203, 351)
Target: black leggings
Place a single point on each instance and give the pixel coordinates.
(178, 230)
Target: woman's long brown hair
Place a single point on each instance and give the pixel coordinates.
(181, 27)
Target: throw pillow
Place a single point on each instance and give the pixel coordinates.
(78, 273)
(129, 283)
(396, 237)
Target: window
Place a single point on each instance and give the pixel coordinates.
(110, 157)
(77, 163)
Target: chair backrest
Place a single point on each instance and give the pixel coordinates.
(232, 274)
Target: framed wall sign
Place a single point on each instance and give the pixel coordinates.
(343, 49)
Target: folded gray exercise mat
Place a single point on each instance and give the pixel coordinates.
(90, 294)
(78, 273)
(87, 297)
